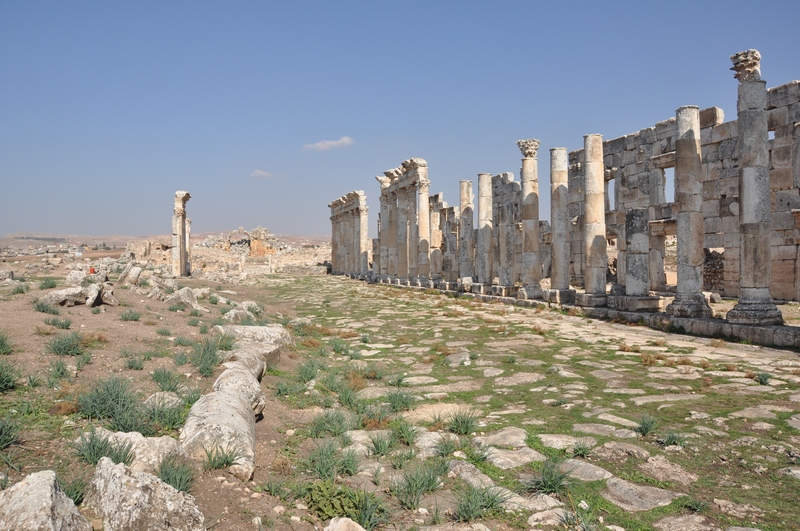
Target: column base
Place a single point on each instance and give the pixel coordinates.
(531, 291)
(482, 289)
(590, 299)
(414, 282)
(560, 296)
(694, 305)
(465, 284)
(448, 286)
(639, 304)
(504, 291)
(755, 313)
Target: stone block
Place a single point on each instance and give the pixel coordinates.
(639, 304)
(589, 299)
(781, 178)
(782, 291)
(712, 225)
(783, 95)
(777, 118)
(783, 270)
(723, 131)
(781, 221)
(713, 240)
(711, 117)
(728, 225)
(787, 200)
(710, 208)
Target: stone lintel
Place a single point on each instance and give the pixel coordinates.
(665, 160)
(663, 227)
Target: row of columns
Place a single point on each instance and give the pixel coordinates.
(350, 252)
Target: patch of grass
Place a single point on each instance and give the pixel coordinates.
(167, 380)
(401, 458)
(174, 470)
(381, 444)
(399, 401)
(474, 502)
(84, 360)
(44, 307)
(69, 344)
(91, 447)
(9, 430)
(75, 489)
(218, 457)
(191, 395)
(288, 388)
(167, 418)
(374, 417)
(549, 480)
(308, 371)
(5, 344)
(205, 357)
(329, 423)
(338, 345)
(136, 363)
(182, 342)
(8, 376)
(47, 283)
(323, 461)
(763, 378)
(446, 446)
(130, 315)
(19, 289)
(175, 308)
(213, 299)
(163, 331)
(195, 313)
(58, 370)
(463, 422)
(193, 321)
(403, 431)
(370, 511)
(226, 342)
(181, 359)
(673, 438)
(58, 323)
(107, 398)
(415, 483)
(581, 448)
(95, 311)
(647, 424)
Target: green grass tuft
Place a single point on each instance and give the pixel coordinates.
(130, 315)
(176, 471)
(68, 344)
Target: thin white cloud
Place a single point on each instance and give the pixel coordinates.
(261, 174)
(325, 145)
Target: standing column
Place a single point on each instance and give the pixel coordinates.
(466, 253)
(594, 224)
(392, 250)
(179, 234)
(529, 177)
(436, 238)
(363, 237)
(637, 271)
(188, 246)
(413, 235)
(689, 300)
(755, 304)
(402, 234)
(483, 253)
(424, 262)
(334, 242)
(384, 235)
(559, 291)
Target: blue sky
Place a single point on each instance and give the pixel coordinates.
(107, 108)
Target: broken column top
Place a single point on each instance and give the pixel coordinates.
(747, 65)
(528, 147)
(180, 202)
(180, 195)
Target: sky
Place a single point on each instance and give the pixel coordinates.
(268, 111)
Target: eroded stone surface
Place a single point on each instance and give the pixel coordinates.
(633, 497)
(37, 503)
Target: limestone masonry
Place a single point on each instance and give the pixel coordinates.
(737, 199)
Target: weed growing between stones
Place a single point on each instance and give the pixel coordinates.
(325, 461)
(218, 457)
(474, 502)
(329, 423)
(181, 359)
(415, 483)
(445, 446)
(463, 422)
(581, 448)
(174, 470)
(381, 444)
(193, 322)
(19, 289)
(673, 438)
(75, 489)
(9, 431)
(308, 371)
(205, 357)
(400, 458)
(399, 401)
(647, 424)
(167, 380)
(47, 283)
(403, 431)
(69, 344)
(92, 447)
(550, 479)
(136, 363)
(175, 308)
(763, 378)
(191, 395)
(167, 418)
(43, 307)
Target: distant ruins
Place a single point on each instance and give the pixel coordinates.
(737, 198)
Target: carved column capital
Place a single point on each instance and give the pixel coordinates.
(528, 147)
(747, 65)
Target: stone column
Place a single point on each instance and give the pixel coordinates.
(393, 228)
(424, 261)
(755, 304)
(362, 226)
(383, 235)
(689, 300)
(436, 237)
(402, 234)
(179, 234)
(637, 270)
(188, 246)
(559, 291)
(413, 235)
(529, 177)
(466, 251)
(483, 251)
(334, 242)
(594, 224)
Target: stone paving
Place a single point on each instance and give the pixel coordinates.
(543, 385)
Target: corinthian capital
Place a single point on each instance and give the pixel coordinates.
(528, 147)
(747, 65)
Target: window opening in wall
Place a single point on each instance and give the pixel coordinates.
(611, 203)
(669, 185)
(772, 135)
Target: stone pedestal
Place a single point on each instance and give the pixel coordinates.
(689, 299)
(559, 296)
(755, 261)
(594, 225)
(637, 279)
(529, 177)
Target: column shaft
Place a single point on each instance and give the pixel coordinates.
(531, 264)
(466, 252)
(594, 226)
(559, 220)
(483, 253)
(424, 261)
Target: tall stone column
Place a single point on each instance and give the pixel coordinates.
(595, 254)
(383, 235)
(362, 228)
(179, 234)
(637, 270)
(689, 300)
(483, 252)
(424, 227)
(402, 234)
(436, 237)
(334, 243)
(559, 291)
(413, 235)
(755, 304)
(188, 246)
(393, 228)
(529, 177)
(466, 250)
